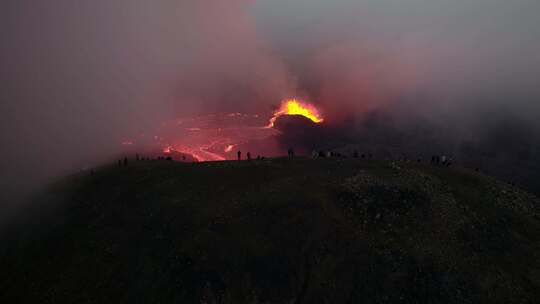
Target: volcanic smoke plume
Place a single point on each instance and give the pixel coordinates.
(78, 79)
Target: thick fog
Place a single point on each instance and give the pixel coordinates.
(78, 77)
(454, 55)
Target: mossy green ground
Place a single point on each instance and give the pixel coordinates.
(276, 231)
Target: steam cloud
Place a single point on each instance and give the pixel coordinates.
(78, 77)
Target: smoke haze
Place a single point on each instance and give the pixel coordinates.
(78, 77)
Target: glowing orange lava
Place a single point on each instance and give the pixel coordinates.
(217, 137)
(295, 107)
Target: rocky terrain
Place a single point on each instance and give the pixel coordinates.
(275, 231)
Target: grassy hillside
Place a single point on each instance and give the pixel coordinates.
(277, 231)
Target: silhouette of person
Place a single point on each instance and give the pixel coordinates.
(290, 153)
(239, 153)
(125, 161)
(248, 156)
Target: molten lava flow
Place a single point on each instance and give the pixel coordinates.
(216, 137)
(295, 107)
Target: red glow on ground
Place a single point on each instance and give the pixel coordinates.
(216, 137)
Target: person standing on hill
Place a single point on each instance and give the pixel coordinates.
(239, 153)
(248, 156)
(290, 152)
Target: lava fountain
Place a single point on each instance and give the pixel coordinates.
(296, 107)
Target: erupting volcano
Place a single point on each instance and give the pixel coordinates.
(295, 107)
(218, 137)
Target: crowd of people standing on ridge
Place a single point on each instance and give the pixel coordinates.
(248, 156)
(123, 162)
(441, 160)
(438, 160)
(331, 154)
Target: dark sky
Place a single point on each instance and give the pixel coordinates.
(79, 76)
